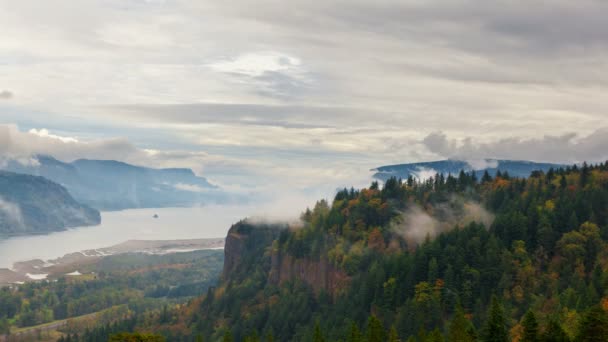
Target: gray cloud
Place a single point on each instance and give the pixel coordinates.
(6, 95)
(562, 148)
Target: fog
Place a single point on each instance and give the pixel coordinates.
(416, 224)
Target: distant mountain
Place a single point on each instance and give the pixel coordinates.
(513, 167)
(31, 204)
(113, 185)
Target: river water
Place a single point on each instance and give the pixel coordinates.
(120, 226)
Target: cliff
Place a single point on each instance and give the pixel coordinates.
(246, 249)
(318, 274)
(250, 247)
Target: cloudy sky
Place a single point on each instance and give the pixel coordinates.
(308, 93)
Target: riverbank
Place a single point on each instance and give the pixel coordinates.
(71, 264)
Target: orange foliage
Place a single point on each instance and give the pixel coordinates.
(517, 332)
(605, 303)
(369, 193)
(500, 183)
(375, 240)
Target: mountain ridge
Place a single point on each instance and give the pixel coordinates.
(33, 204)
(116, 185)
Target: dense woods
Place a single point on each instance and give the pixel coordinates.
(498, 259)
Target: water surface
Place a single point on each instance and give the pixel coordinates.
(120, 226)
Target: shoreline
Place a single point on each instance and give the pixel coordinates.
(67, 265)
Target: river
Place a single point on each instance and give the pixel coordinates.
(120, 226)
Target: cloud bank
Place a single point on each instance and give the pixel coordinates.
(569, 147)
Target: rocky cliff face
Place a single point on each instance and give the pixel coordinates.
(318, 274)
(31, 204)
(250, 246)
(246, 249)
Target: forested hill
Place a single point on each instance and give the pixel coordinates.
(31, 204)
(446, 259)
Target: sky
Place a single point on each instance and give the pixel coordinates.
(303, 94)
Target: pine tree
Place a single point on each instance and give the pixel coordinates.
(318, 335)
(355, 334)
(460, 328)
(228, 337)
(594, 326)
(435, 336)
(495, 329)
(554, 333)
(530, 326)
(392, 336)
(486, 178)
(375, 330)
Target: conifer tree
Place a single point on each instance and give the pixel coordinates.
(495, 329)
(554, 333)
(318, 335)
(594, 326)
(228, 337)
(460, 328)
(375, 330)
(355, 334)
(392, 336)
(530, 326)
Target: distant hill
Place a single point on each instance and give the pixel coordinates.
(113, 185)
(515, 168)
(31, 204)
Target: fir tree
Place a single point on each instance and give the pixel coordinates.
(228, 337)
(594, 326)
(495, 329)
(460, 328)
(318, 335)
(554, 333)
(375, 330)
(530, 326)
(392, 336)
(355, 334)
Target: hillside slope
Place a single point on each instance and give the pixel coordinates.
(32, 204)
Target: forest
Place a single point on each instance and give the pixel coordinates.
(501, 259)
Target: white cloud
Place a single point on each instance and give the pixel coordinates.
(256, 64)
(44, 133)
